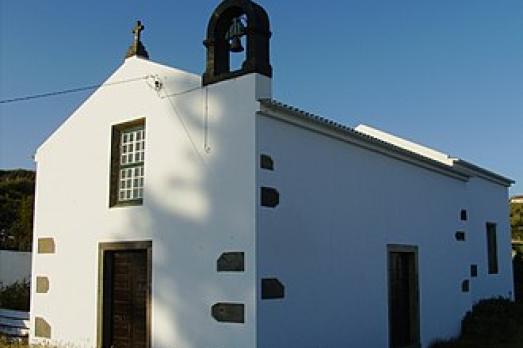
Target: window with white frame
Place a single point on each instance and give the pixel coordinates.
(132, 152)
(127, 164)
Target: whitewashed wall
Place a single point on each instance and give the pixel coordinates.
(340, 205)
(487, 203)
(15, 266)
(197, 204)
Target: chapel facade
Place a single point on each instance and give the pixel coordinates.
(179, 210)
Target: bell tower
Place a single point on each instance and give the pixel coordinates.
(231, 21)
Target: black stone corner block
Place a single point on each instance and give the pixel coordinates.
(272, 288)
(463, 215)
(460, 236)
(465, 285)
(266, 162)
(270, 197)
(473, 271)
(228, 312)
(231, 262)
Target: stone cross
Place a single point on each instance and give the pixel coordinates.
(137, 31)
(137, 48)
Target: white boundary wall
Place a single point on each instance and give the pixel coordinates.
(14, 266)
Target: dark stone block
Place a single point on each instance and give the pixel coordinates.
(266, 162)
(231, 262)
(42, 328)
(42, 285)
(46, 246)
(272, 288)
(474, 270)
(465, 286)
(460, 236)
(270, 197)
(463, 215)
(228, 312)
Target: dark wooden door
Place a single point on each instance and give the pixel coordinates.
(125, 299)
(403, 300)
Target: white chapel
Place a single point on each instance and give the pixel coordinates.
(178, 210)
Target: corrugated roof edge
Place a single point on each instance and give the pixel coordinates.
(484, 173)
(463, 169)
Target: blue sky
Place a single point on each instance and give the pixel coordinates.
(445, 73)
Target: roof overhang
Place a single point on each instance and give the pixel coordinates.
(297, 117)
(455, 168)
(474, 170)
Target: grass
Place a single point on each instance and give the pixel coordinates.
(5, 343)
(9, 343)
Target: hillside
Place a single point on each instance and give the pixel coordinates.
(516, 220)
(17, 189)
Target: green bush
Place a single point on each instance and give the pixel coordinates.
(17, 188)
(6, 342)
(516, 220)
(492, 323)
(15, 296)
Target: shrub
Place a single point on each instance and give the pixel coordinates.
(15, 296)
(6, 342)
(10, 343)
(492, 323)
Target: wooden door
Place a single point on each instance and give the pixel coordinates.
(403, 298)
(125, 299)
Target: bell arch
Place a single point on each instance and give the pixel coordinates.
(257, 33)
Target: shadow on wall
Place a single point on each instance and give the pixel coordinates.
(185, 214)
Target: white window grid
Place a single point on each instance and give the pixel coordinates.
(132, 147)
(131, 183)
(132, 155)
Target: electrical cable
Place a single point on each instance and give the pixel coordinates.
(67, 91)
(181, 93)
(182, 122)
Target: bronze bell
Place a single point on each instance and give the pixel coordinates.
(236, 31)
(236, 45)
